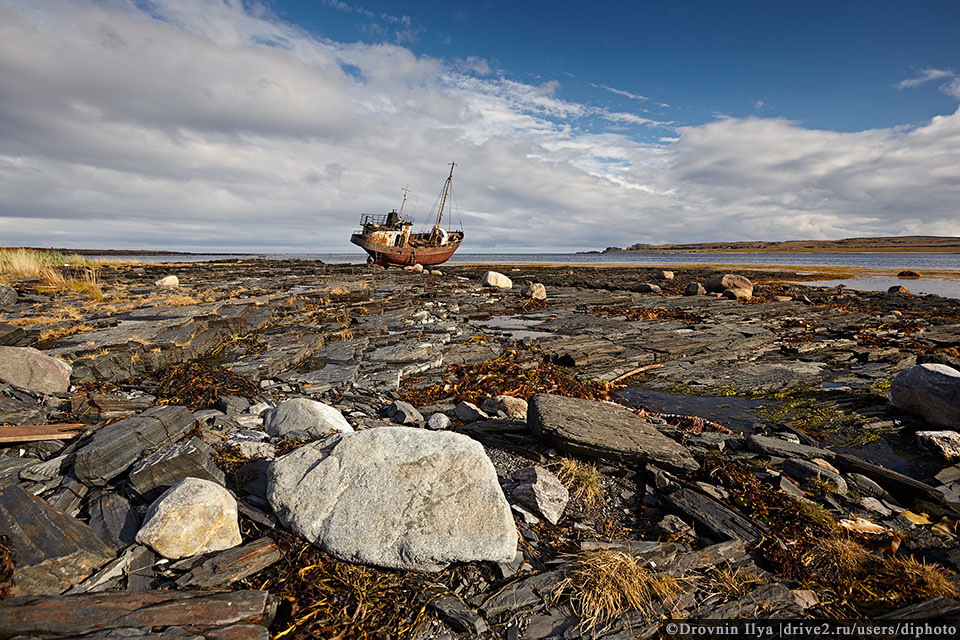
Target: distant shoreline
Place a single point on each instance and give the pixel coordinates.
(892, 244)
(126, 252)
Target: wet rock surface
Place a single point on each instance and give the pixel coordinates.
(762, 448)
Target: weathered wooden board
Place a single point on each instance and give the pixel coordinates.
(35, 432)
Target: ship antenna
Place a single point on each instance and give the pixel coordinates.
(446, 189)
(404, 199)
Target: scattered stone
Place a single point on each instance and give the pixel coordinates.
(115, 447)
(694, 289)
(169, 282)
(671, 526)
(865, 485)
(114, 519)
(193, 516)
(931, 391)
(908, 274)
(497, 280)
(304, 414)
(523, 593)
(160, 470)
(458, 615)
(436, 272)
(541, 491)
(900, 289)
(738, 294)
(947, 443)
(33, 370)
(395, 497)
(8, 296)
(603, 430)
(784, 449)
(513, 408)
(741, 286)
(232, 405)
(666, 275)
(438, 422)
(803, 470)
(646, 287)
(469, 412)
(534, 290)
(51, 550)
(404, 413)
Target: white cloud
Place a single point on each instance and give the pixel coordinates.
(208, 125)
(924, 77)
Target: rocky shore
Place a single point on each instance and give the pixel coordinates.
(253, 449)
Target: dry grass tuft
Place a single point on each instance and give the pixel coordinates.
(181, 300)
(862, 583)
(604, 585)
(732, 583)
(582, 480)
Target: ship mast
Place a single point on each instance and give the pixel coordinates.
(446, 189)
(404, 199)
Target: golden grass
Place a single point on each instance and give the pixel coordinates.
(854, 580)
(582, 480)
(26, 263)
(732, 583)
(604, 585)
(53, 334)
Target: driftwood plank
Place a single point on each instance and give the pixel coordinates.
(50, 616)
(233, 564)
(34, 432)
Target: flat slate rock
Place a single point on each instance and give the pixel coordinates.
(602, 430)
(54, 616)
(714, 516)
(51, 550)
(231, 565)
(160, 470)
(115, 447)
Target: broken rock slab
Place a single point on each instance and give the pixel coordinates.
(932, 391)
(304, 414)
(193, 516)
(33, 370)
(395, 497)
(946, 443)
(162, 469)
(51, 550)
(604, 430)
(541, 491)
(115, 447)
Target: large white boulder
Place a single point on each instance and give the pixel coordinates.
(496, 279)
(304, 414)
(193, 516)
(932, 391)
(168, 282)
(33, 370)
(395, 497)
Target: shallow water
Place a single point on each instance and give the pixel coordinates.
(516, 327)
(920, 286)
(733, 413)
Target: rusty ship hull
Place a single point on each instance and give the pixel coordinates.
(394, 256)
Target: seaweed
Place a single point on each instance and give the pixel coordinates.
(198, 385)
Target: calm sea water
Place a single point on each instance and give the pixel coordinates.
(944, 283)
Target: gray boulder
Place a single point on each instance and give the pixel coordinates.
(694, 289)
(496, 279)
(303, 414)
(666, 275)
(469, 412)
(395, 497)
(646, 287)
(168, 282)
(931, 391)
(603, 430)
(8, 296)
(741, 286)
(33, 370)
(438, 422)
(193, 516)
(541, 491)
(534, 290)
(404, 413)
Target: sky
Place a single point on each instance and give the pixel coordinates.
(222, 125)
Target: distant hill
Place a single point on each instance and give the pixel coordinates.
(894, 244)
